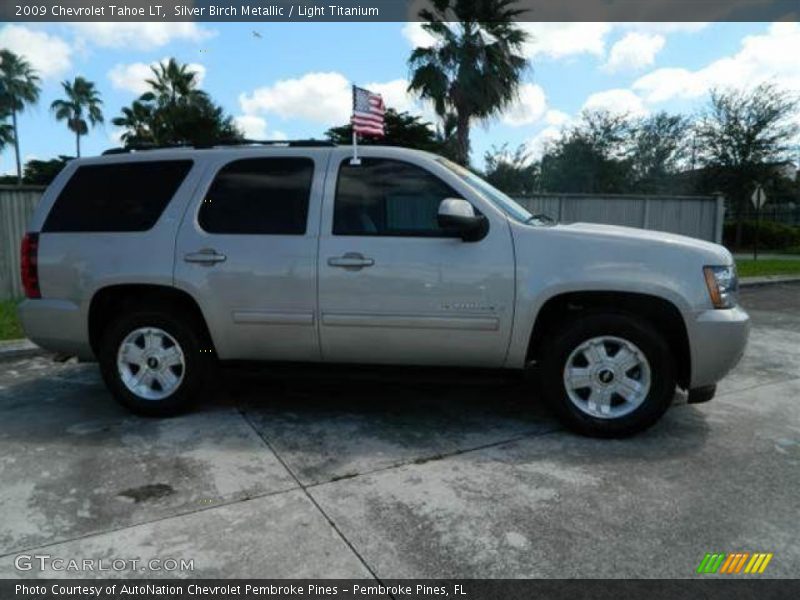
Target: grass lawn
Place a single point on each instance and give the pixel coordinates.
(10, 328)
(761, 267)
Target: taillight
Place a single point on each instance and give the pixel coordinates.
(29, 265)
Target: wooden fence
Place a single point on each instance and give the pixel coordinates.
(696, 216)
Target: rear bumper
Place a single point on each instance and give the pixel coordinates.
(718, 339)
(56, 325)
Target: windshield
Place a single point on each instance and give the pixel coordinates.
(505, 203)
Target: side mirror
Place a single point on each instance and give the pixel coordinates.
(458, 216)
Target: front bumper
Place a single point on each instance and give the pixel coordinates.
(717, 339)
(56, 325)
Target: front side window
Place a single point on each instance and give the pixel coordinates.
(259, 196)
(123, 196)
(390, 198)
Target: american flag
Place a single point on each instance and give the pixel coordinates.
(368, 112)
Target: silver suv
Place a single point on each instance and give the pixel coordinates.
(160, 263)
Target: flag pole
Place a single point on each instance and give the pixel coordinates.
(355, 160)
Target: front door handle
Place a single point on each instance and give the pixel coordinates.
(351, 260)
(206, 256)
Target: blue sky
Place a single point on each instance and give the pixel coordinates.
(292, 79)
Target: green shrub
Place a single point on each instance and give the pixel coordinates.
(772, 236)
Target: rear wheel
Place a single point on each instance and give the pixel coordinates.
(608, 375)
(154, 363)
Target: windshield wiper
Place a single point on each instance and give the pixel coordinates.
(541, 217)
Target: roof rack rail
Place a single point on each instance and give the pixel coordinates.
(310, 143)
(143, 147)
(245, 142)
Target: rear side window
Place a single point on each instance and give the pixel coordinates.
(259, 196)
(116, 197)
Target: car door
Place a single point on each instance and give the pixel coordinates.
(247, 251)
(393, 286)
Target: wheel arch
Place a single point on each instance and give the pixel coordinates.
(661, 313)
(110, 301)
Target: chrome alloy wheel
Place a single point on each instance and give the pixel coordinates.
(607, 377)
(151, 363)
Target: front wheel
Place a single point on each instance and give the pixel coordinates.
(154, 363)
(608, 375)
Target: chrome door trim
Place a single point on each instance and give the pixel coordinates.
(476, 323)
(264, 317)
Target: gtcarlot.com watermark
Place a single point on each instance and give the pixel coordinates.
(47, 562)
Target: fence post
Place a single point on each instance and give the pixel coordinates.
(719, 219)
(646, 215)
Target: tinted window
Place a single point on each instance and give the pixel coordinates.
(260, 195)
(388, 197)
(116, 197)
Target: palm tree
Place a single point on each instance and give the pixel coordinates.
(19, 87)
(82, 99)
(475, 66)
(6, 132)
(174, 83)
(136, 119)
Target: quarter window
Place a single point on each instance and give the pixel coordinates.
(388, 197)
(259, 196)
(125, 196)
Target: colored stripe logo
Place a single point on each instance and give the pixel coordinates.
(734, 562)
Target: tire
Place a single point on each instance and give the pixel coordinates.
(165, 351)
(628, 369)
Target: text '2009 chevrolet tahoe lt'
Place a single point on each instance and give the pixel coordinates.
(159, 263)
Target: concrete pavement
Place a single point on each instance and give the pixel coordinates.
(323, 477)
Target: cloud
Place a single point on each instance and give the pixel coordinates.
(665, 27)
(557, 118)
(115, 136)
(132, 77)
(634, 51)
(616, 101)
(538, 144)
(560, 40)
(394, 94)
(529, 108)
(143, 36)
(326, 98)
(48, 54)
(556, 122)
(769, 56)
(319, 97)
(552, 40)
(253, 127)
(417, 37)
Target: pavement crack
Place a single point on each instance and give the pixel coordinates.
(437, 457)
(311, 499)
(721, 396)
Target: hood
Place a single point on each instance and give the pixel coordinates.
(715, 253)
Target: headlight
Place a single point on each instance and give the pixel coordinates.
(723, 285)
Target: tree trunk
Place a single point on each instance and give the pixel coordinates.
(16, 146)
(462, 139)
(78, 144)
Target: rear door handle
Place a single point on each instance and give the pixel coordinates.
(207, 256)
(351, 260)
